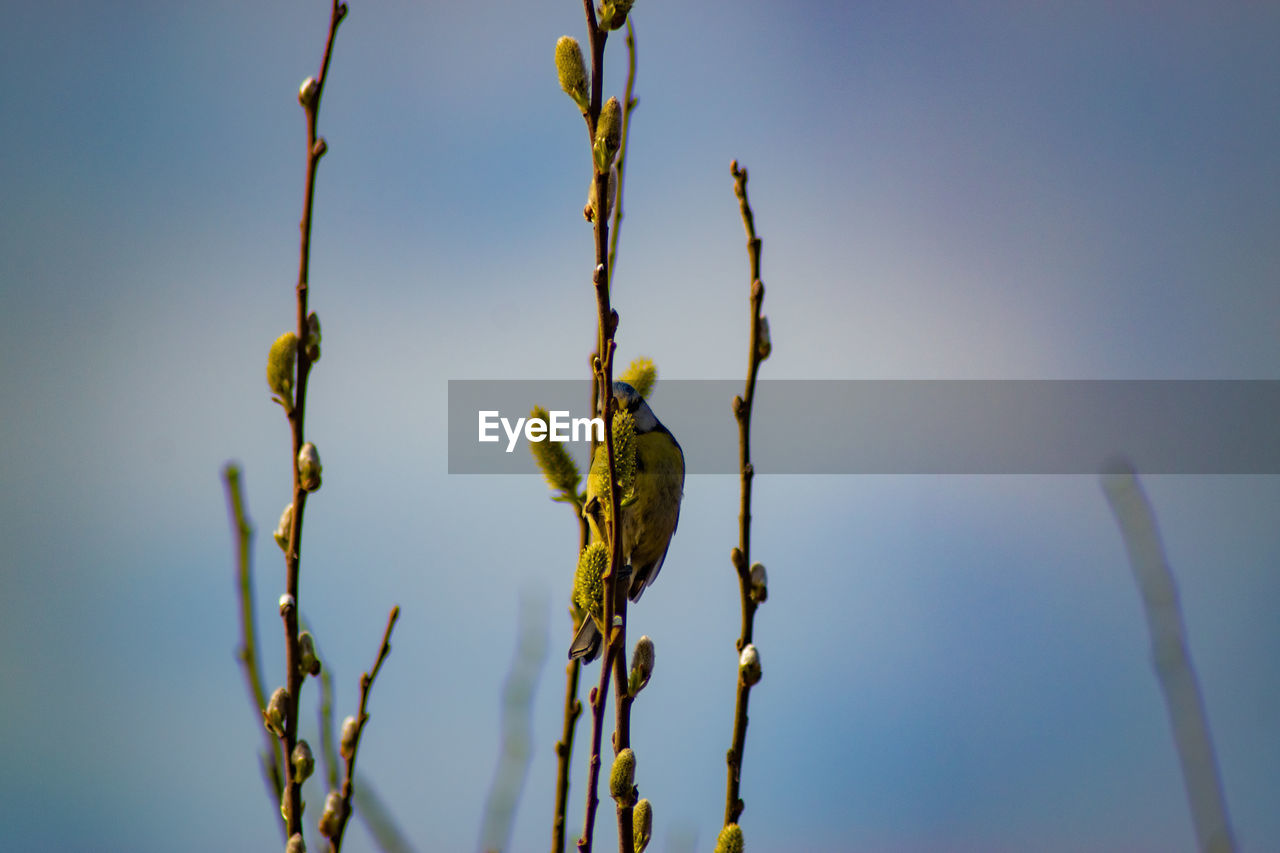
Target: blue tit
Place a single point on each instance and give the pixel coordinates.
(649, 514)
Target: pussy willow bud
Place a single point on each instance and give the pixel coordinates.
(641, 375)
(642, 825)
(280, 361)
(555, 462)
(313, 337)
(276, 714)
(641, 665)
(608, 135)
(350, 731)
(730, 840)
(592, 209)
(284, 528)
(309, 467)
(296, 844)
(572, 71)
(624, 455)
(588, 583)
(303, 762)
(749, 665)
(622, 777)
(331, 820)
(286, 604)
(284, 807)
(759, 583)
(308, 661)
(765, 345)
(612, 14)
(307, 91)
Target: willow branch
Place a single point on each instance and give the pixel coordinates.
(564, 751)
(366, 684)
(247, 654)
(628, 104)
(1172, 662)
(315, 150)
(742, 554)
(602, 368)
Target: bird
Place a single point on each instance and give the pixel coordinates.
(649, 516)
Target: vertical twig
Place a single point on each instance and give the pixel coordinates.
(564, 751)
(1172, 662)
(607, 322)
(247, 654)
(628, 104)
(741, 555)
(315, 150)
(362, 717)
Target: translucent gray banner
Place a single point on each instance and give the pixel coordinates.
(908, 426)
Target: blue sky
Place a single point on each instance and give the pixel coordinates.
(988, 191)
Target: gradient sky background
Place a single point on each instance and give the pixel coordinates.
(1083, 191)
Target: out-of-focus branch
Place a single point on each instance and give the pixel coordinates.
(247, 653)
(1169, 653)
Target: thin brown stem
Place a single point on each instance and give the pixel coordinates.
(628, 104)
(366, 684)
(293, 556)
(742, 554)
(247, 654)
(564, 751)
(622, 726)
(602, 369)
(597, 700)
(572, 710)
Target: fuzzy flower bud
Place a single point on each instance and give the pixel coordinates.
(331, 820)
(296, 844)
(612, 14)
(309, 467)
(280, 361)
(608, 135)
(308, 661)
(749, 665)
(284, 807)
(572, 71)
(641, 665)
(759, 583)
(765, 345)
(307, 91)
(350, 731)
(286, 604)
(304, 764)
(588, 583)
(554, 461)
(730, 840)
(591, 210)
(313, 335)
(276, 714)
(284, 528)
(622, 777)
(642, 825)
(641, 375)
(624, 454)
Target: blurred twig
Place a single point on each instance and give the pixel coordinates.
(517, 723)
(1169, 653)
(247, 653)
(377, 819)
